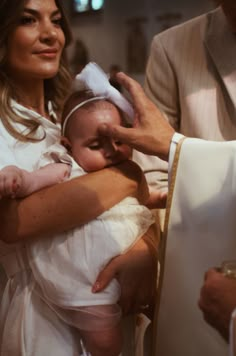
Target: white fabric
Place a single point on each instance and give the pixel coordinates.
(28, 325)
(201, 234)
(81, 253)
(6, 155)
(93, 78)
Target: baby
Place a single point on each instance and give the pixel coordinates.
(66, 266)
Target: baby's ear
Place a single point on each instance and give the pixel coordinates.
(66, 143)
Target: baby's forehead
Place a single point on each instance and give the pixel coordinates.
(96, 111)
(93, 112)
(95, 107)
(100, 105)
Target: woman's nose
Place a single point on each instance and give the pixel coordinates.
(48, 31)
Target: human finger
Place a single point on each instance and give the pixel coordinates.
(125, 135)
(105, 276)
(211, 273)
(157, 199)
(139, 99)
(7, 186)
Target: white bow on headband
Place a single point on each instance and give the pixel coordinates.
(94, 79)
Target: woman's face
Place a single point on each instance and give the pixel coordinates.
(35, 45)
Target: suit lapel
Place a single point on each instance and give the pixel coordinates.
(221, 46)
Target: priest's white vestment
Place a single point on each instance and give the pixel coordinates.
(200, 232)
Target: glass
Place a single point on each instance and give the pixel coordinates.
(228, 268)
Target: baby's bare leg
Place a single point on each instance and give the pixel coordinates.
(106, 342)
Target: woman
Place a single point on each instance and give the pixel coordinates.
(33, 84)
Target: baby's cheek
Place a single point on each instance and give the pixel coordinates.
(94, 163)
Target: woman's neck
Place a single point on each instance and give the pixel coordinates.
(32, 96)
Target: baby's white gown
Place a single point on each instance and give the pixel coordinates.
(66, 266)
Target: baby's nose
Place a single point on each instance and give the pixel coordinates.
(112, 149)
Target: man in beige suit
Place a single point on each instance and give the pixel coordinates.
(191, 77)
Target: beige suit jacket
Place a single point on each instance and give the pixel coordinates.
(191, 76)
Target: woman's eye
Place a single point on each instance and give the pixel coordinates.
(27, 20)
(118, 143)
(95, 147)
(57, 21)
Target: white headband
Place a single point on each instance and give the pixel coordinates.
(76, 108)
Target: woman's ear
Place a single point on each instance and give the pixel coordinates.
(66, 143)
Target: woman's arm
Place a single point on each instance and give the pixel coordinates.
(67, 205)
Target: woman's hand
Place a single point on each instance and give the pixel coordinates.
(136, 272)
(151, 133)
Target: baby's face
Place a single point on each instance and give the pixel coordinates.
(91, 150)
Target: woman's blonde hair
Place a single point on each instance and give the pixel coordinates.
(56, 88)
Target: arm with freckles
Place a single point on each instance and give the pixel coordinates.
(70, 204)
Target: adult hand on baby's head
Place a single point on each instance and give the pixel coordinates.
(151, 133)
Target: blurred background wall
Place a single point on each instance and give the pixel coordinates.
(121, 33)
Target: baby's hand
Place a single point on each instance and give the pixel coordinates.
(11, 178)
